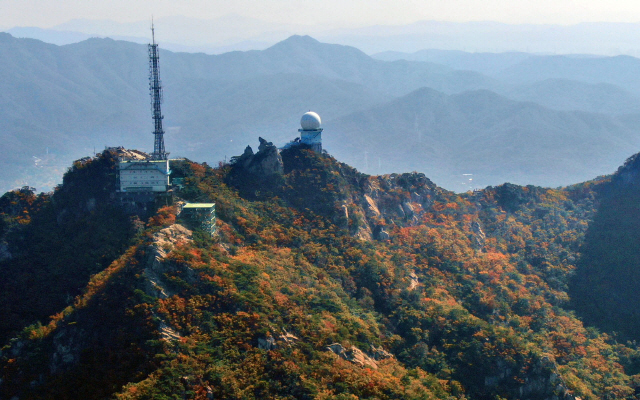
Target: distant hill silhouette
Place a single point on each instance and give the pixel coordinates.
(623, 71)
(565, 94)
(485, 63)
(484, 134)
(559, 82)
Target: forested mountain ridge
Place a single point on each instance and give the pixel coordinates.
(323, 282)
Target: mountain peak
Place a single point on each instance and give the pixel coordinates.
(296, 42)
(304, 39)
(306, 42)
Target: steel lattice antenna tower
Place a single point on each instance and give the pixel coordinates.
(155, 88)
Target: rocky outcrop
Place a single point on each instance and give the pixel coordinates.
(354, 355)
(157, 266)
(267, 343)
(413, 280)
(407, 209)
(392, 199)
(267, 161)
(343, 219)
(363, 232)
(378, 353)
(271, 342)
(371, 208)
(129, 154)
(163, 242)
(479, 236)
(67, 345)
(543, 382)
(382, 235)
(167, 333)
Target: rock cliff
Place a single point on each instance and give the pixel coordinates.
(267, 161)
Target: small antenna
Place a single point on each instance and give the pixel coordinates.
(153, 32)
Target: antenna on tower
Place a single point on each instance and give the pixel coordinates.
(155, 88)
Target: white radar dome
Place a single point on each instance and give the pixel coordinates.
(310, 121)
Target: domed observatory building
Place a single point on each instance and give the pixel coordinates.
(311, 132)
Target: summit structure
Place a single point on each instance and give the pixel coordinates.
(311, 131)
(142, 176)
(155, 88)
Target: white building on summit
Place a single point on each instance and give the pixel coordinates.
(143, 176)
(311, 132)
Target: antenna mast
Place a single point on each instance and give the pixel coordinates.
(155, 88)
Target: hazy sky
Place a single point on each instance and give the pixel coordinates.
(47, 13)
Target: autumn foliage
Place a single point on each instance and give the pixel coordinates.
(467, 297)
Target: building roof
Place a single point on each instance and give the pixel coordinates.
(199, 205)
(141, 162)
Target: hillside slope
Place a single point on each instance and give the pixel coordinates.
(604, 288)
(327, 283)
(52, 243)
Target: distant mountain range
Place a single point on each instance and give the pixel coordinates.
(528, 121)
(236, 32)
(482, 136)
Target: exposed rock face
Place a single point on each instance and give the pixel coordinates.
(479, 236)
(67, 349)
(354, 355)
(267, 343)
(543, 382)
(166, 239)
(371, 208)
(157, 266)
(167, 333)
(382, 234)
(363, 232)
(407, 208)
(270, 342)
(287, 338)
(393, 199)
(378, 353)
(267, 161)
(130, 154)
(414, 282)
(163, 241)
(344, 220)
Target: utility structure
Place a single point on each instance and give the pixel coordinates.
(311, 132)
(142, 176)
(155, 88)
